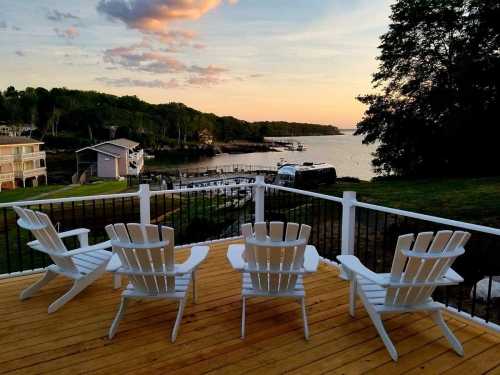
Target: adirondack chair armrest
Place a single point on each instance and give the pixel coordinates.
(69, 233)
(73, 232)
(311, 259)
(453, 276)
(197, 256)
(87, 249)
(235, 256)
(353, 264)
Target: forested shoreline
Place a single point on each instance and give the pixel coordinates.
(68, 119)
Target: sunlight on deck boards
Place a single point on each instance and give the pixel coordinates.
(74, 339)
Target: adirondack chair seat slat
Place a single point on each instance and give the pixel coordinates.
(87, 263)
(248, 280)
(82, 265)
(273, 263)
(145, 254)
(416, 272)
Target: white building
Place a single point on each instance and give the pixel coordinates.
(21, 162)
(111, 159)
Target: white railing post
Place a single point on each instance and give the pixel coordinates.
(348, 224)
(259, 198)
(144, 203)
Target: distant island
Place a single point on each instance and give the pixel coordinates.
(69, 119)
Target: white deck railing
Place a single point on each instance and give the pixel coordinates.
(348, 204)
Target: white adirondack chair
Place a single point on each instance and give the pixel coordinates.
(273, 264)
(83, 265)
(148, 261)
(415, 274)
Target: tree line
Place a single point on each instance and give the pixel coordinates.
(69, 119)
(436, 110)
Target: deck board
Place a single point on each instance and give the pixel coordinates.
(74, 339)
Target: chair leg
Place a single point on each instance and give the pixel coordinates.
(78, 286)
(28, 292)
(243, 316)
(304, 318)
(437, 316)
(379, 325)
(195, 296)
(118, 317)
(117, 281)
(177, 324)
(352, 296)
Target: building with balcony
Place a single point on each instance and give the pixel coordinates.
(111, 159)
(21, 162)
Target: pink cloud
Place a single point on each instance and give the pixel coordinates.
(134, 57)
(127, 82)
(69, 33)
(199, 46)
(204, 80)
(155, 15)
(150, 61)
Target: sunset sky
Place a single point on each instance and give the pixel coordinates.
(293, 60)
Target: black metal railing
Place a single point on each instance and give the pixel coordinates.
(376, 234)
(324, 216)
(93, 214)
(203, 215)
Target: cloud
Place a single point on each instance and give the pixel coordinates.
(204, 80)
(206, 76)
(57, 16)
(149, 61)
(199, 46)
(69, 33)
(155, 15)
(135, 57)
(20, 53)
(127, 82)
(210, 70)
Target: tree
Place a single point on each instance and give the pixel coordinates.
(437, 110)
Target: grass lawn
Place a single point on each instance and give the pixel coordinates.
(26, 193)
(96, 188)
(63, 191)
(475, 200)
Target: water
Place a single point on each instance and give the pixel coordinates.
(345, 152)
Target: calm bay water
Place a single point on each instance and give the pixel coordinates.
(345, 152)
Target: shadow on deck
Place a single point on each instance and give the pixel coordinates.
(74, 339)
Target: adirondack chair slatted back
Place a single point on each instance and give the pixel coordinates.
(274, 259)
(43, 230)
(427, 262)
(140, 261)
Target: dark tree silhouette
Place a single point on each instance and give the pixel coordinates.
(437, 109)
(71, 119)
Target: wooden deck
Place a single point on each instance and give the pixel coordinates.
(74, 339)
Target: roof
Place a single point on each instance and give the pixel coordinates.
(120, 142)
(94, 148)
(6, 140)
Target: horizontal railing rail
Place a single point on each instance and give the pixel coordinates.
(431, 218)
(68, 199)
(31, 155)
